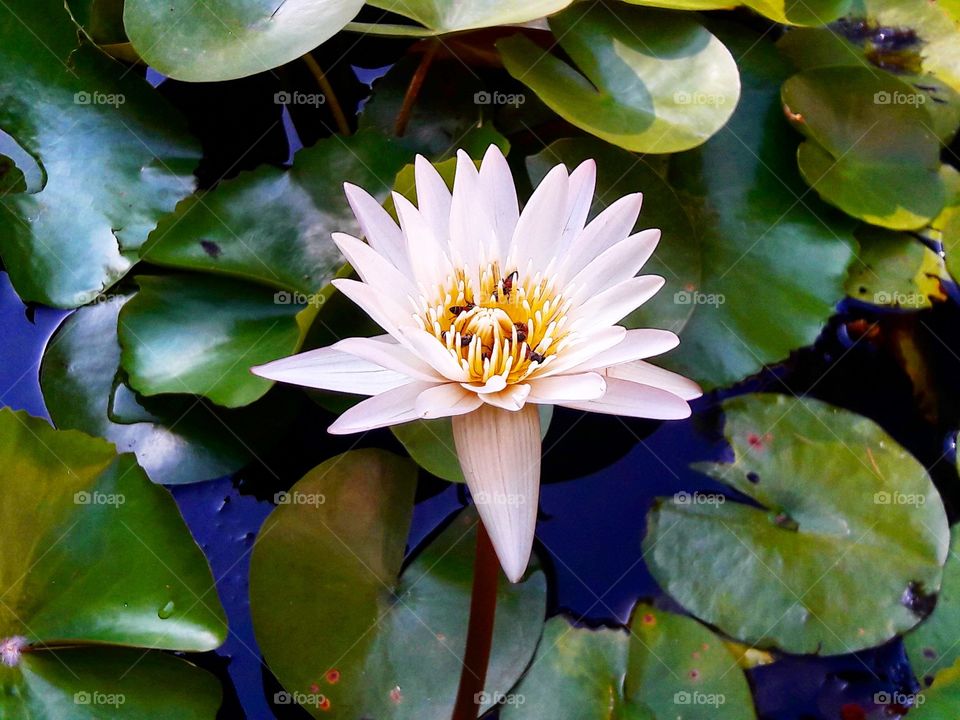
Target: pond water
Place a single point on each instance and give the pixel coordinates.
(600, 474)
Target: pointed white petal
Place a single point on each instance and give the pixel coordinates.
(541, 222)
(388, 408)
(428, 259)
(378, 227)
(446, 400)
(388, 315)
(512, 397)
(608, 228)
(329, 369)
(429, 349)
(433, 198)
(636, 344)
(499, 452)
(373, 268)
(496, 183)
(615, 303)
(587, 347)
(639, 371)
(385, 351)
(616, 264)
(493, 384)
(472, 239)
(583, 180)
(567, 388)
(635, 400)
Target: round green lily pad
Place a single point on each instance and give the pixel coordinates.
(895, 269)
(445, 16)
(345, 630)
(840, 508)
(663, 667)
(648, 80)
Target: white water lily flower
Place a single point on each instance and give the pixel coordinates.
(489, 312)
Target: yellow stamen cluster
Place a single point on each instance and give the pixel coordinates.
(507, 326)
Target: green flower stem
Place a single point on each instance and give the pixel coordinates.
(483, 608)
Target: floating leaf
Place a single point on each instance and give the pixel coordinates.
(932, 646)
(201, 334)
(895, 269)
(114, 158)
(445, 16)
(791, 12)
(96, 555)
(175, 439)
(945, 228)
(273, 226)
(196, 41)
(337, 626)
(774, 258)
(941, 701)
(677, 257)
(870, 149)
(667, 667)
(843, 550)
(652, 80)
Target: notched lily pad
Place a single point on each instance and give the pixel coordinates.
(339, 624)
(843, 550)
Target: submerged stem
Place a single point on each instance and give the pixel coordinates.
(413, 89)
(339, 118)
(483, 608)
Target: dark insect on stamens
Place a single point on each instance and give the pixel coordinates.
(457, 309)
(537, 357)
(521, 331)
(484, 354)
(465, 340)
(508, 282)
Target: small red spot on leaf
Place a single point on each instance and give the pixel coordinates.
(649, 619)
(759, 442)
(333, 676)
(314, 688)
(324, 704)
(396, 696)
(694, 674)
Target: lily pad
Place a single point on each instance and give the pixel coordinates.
(870, 149)
(666, 667)
(176, 439)
(648, 80)
(273, 226)
(945, 228)
(895, 269)
(932, 646)
(115, 158)
(677, 257)
(342, 631)
(97, 555)
(789, 12)
(201, 334)
(940, 702)
(198, 41)
(774, 258)
(445, 16)
(843, 550)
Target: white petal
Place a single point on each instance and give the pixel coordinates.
(541, 222)
(433, 198)
(499, 452)
(639, 371)
(378, 227)
(615, 303)
(512, 397)
(495, 383)
(373, 268)
(583, 180)
(431, 351)
(384, 351)
(587, 347)
(388, 408)
(608, 228)
(636, 344)
(496, 183)
(329, 369)
(428, 259)
(567, 388)
(635, 400)
(381, 310)
(472, 239)
(446, 400)
(616, 264)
